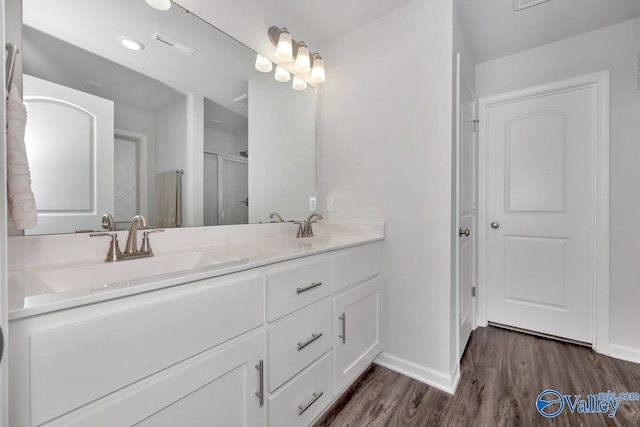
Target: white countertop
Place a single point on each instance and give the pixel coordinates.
(236, 248)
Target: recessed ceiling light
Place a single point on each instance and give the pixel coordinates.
(130, 43)
(159, 4)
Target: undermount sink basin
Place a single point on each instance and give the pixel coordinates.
(101, 275)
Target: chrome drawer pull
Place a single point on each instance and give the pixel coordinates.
(260, 393)
(344, 328)
(314, 337)
(309, 287)
(303, 408)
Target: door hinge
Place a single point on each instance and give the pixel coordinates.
(473, 291)
(474, 125)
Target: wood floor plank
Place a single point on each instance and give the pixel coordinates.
(502, 374)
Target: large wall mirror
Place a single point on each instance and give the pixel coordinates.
(183, 130)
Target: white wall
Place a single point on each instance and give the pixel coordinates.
(180, 145)
(385, 154)
(141, 121)
(613, 48)
(225, 143)
(282, 144)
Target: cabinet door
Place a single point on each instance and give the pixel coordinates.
(217, 388)
(229, 399)
(356, 331)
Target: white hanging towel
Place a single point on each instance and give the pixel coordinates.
(168, 200)
(21, 201)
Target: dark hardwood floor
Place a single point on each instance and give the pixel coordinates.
(503, 372)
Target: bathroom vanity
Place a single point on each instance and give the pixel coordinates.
(269, 337)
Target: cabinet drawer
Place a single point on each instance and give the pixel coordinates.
(302, 400)
(297, 341)
(80, 362)
(296, 284)
(354, 265)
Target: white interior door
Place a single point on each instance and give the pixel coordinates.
(4, 383)
(540, 205)
(466, 214)
(69, 140)
(233, 196)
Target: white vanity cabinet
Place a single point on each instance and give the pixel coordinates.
(121, 361)
(264, 346)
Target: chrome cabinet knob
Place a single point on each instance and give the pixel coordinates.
(495, 225)
(464, 232)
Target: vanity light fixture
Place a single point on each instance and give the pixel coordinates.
(298, 83)
(317, 71)
(284, 45)
(159, 4)
(282, 75)
(303, 61)
(263, 64)
(288, 49)
(130, 43)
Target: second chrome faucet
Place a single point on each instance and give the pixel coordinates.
(304, 228)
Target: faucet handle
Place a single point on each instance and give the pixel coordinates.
(300, 230)
(146, 246)
(114, 248)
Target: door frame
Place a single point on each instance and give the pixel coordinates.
(599, 82)
(142, 143)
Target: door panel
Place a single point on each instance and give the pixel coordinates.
(70, 145)
(233, 203)
(540, 207)
(466, 216)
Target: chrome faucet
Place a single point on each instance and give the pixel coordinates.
(276, 216)
(132, 238)
(131, 251)
(307, 230)
(108, 223)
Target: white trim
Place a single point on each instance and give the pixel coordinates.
(600, 83)
(141, 139)
(437, 379)
(629, 354)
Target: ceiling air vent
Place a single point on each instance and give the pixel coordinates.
(523, 4)
(166, 40)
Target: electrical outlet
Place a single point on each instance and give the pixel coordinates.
(312, 204)
(331, 203)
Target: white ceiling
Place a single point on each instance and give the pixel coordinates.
(325, 20)
(496, 30)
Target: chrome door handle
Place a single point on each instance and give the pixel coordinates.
(308, 287)
(260, 393)
(495, 225)
(314, 337)
(344, 328)
(303, 408)
(464, 232)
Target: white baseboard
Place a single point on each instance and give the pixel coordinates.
(629, 354)
(437, 379)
